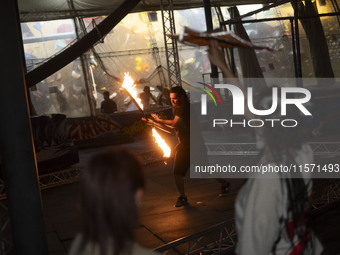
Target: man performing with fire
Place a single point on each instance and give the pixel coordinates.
(181, 122)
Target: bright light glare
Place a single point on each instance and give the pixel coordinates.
(130, 86)
(161, 143)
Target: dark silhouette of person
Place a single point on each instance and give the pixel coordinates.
(146, 97)
(164, 96)
(108, 105)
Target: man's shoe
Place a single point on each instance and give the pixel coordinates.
(181, 201)
(225, 188)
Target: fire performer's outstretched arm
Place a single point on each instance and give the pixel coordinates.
(160, 123)
(172, 123)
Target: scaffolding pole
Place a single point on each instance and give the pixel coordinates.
(155, 54)
(171, 49)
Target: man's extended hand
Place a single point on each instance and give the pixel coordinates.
(148, 120)
(155, 117)
(161, 126)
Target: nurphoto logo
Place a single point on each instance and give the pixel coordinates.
(297, 96)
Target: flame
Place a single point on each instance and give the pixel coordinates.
(130, 87)
(161, 143)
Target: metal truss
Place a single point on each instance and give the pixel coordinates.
(171, 49)
(331, 149)
(58, 178)
(2, 190)
(326, 148)
(53, 179)
(137, 52)
(325, 193)
(45, 181)
(6, 244)
(231, 149)
(155, 53)
(219, 239)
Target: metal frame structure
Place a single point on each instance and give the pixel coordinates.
(6, 244)
(171, 49)
(155, 53)
(86, 67)
(294, 30)
(326, 193)
(59, 178)
(222, 238)
(53, 179)
(218, 239)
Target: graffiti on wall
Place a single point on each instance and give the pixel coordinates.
(92, 127)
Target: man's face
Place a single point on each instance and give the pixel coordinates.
(175, 100)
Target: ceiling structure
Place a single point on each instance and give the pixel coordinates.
(40, 10)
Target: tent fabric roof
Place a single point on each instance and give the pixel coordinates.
(40, 10)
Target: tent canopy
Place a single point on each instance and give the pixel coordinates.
(38, 10)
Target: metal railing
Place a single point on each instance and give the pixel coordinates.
(325, 193)
(218, 239)
(58, 178)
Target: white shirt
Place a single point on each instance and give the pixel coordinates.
(260, 204)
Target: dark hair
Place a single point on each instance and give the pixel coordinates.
(180, 92)
(106, 93)
(281, 141)
(146, 89)
(107, 194)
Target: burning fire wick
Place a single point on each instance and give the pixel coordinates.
(162, 144)
(130, 88)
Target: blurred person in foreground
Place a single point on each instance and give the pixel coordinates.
(111, 189)
(271, 212)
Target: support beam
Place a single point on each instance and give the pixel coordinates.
(171, 49)
(68, 55)
(265, 8)
(293, 47)
(232, 21)
(16, 142)
(209, 24)
(297, 43)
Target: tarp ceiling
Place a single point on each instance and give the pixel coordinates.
(40, 10)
